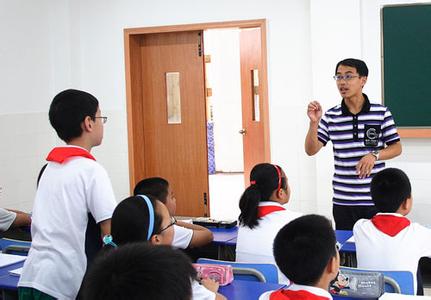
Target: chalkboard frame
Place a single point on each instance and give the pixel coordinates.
(404, 131)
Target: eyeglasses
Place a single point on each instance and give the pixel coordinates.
(338, 246)
(104, 119)
(346, 77)
(173, 222)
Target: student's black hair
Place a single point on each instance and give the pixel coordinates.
(389, 189)
(155, 186)
(140, 271)
(68, 110)
(264, 180)
(40, 174)
(130, 220)
(359, 65)
(303, 248)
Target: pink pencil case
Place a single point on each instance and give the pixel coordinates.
(223, 274)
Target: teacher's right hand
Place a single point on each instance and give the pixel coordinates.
(314, 111)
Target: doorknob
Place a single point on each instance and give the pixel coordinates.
(242, 131)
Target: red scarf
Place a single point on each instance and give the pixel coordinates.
(390, 224)
(61, 154)
(295, 295)
(264, 210)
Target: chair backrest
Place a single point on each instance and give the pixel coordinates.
(14, 246)
(247, 271)
(395, 281)
(16, 250)
(403, 278)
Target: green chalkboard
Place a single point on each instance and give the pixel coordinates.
(406, 38)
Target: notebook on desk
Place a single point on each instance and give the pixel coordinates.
(10, 259)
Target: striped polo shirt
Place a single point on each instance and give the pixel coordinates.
(354, 136)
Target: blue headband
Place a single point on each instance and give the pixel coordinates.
(150, 214)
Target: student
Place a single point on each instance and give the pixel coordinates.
(305, 251)
(363, 136)
(185, 234)
(13, 218)
(263, 214)
(140, 271)
(141, 218)
(72, 186)
(389, 241)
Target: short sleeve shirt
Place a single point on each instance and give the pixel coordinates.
(354, 136)
(6, 219)
(182, 237)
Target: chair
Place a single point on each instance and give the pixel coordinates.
(14, 246)
(400, 282)
(16, 250)
(247, 271)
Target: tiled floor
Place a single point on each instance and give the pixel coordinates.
(225, 191)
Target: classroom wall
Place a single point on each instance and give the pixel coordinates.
(55, 44)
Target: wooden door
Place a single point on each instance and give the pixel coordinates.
(254, 102)
(177, 152)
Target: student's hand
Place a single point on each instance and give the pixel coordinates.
(365, 165)
(314, 111)
(210, 284)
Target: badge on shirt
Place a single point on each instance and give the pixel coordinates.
(371, 135)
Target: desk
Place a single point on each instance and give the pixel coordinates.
(228, 237)
(222, 240)
(342, 236)
(249, 290)
(224, 235)
(5, 242)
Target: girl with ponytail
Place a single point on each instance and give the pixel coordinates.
(263, 214)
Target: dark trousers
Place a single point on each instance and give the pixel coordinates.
(346, 216)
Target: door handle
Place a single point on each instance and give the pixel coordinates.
(242, 131)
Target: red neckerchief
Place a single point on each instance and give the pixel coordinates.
(264, 210)
(61, 154)
(295, 295)
(390, 224)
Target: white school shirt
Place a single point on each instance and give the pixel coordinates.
(6, 219)
(199, 292)
(66, 194)
(313, 292)
(402, 252)
(255, 245)
(182, 237)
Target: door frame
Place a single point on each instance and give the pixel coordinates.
(134, 88)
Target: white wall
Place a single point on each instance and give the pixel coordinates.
(223, 76)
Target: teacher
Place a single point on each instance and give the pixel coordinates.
(363, 136)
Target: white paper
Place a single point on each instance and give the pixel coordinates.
(10, 259)
(351, 240)
(16, 272)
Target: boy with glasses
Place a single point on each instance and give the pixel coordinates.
(363, 135)
(74, 193)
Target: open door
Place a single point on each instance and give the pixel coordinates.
(167, 117)
(255, 121)
(166, 65)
